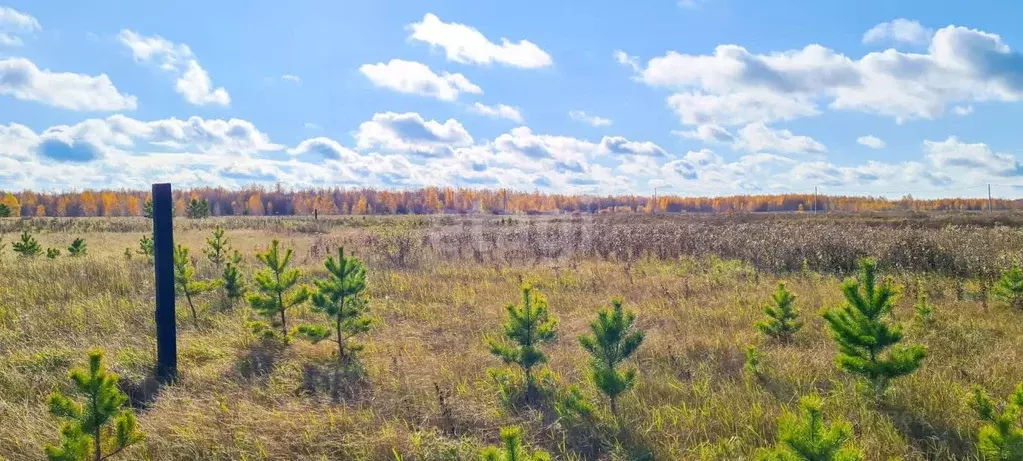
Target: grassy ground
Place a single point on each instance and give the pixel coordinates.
(240, 398)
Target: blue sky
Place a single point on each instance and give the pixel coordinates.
(702, 97)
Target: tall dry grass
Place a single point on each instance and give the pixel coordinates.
(697, 286)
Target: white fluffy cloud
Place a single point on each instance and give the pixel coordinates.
(624, 59)
(14, 23)
(900, 30)
(193, 82)
(592, 120)
(697, 108)
(962, 110)
(734, 86)
(409, 133)
(497, 111)
(871, 141)
(416, 78)
(617, 145)
(466, 45)
(971, 157)
(708, 134)
(21, 79)
(323, 148)
(757, 137)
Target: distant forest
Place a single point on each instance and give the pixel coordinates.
(435, 200)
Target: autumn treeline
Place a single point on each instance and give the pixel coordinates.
(261, 201)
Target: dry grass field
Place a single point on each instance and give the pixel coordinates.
(437, 289)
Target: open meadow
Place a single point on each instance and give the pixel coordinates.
(437, 287)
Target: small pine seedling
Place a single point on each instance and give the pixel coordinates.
(923, 310)
(809, 438)
(752, 366)
(28, 247)
(511, 449)
(217, 247)
(234, 284)
(1001, 436)
(278, 288)
(77, 248)
(1009, 288)
(863, 335)
(612, 342)
(528, 327)
(146, 247)
(782, 317)
(572, 406)
(339, 297)
(147, 208)
(185, 282)
(100, 427)
(52, 253)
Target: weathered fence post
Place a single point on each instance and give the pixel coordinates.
(163, 253)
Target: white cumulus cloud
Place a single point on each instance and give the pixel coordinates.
(592, 120)
(757, 137)
(193, 82)
(467, 45)
(871, 141)
(497, 111)
(14, 23)
(416, 78)
(734, 86)
(899, 30)
(409, 133)
(21, 79)
(971, 157)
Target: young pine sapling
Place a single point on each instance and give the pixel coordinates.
(527, 327)
(52, 253)
(217, 247)
(185, 282)
(77, 248)
(864, 334)
(511, 449)
(782, 320)
(234, 284)
(28, 247)
(613, 340)
(339, 297)
(146, 247)
(1001, 436)
(1009, 288)
(277, 287)
(923, 310)
(809, 438)
(98, 428)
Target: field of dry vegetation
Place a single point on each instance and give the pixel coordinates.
(437, 289)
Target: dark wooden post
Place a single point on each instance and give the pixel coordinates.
(163, 253)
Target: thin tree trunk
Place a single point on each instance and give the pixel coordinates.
(96, 433)
(195, 318)
(340, 342)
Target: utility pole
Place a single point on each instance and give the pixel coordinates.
(990, 204)
(814, 199)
